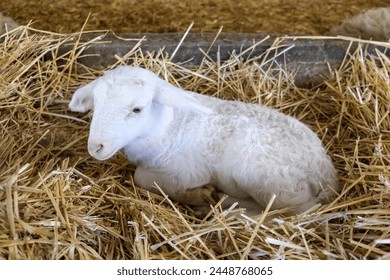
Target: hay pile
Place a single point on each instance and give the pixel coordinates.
(305, 17)
(56, 202)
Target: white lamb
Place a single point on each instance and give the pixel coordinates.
(187, 142)
(373, 24)
(7, 24)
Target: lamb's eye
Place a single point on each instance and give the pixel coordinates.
(137, 110)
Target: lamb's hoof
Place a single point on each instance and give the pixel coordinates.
(200, 196)
(210, 194)
(201, 212)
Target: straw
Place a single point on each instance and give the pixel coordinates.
(161, 16)
(57, 202)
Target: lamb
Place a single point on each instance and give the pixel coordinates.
(194, 146)
(373, 24)
(6, 24)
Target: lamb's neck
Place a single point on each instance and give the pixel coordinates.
(148, 148)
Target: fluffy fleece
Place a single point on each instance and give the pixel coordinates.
(6, 24)
(373, 24)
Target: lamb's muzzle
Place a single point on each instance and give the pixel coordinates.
(99, 150)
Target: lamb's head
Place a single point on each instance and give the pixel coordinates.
(128, 103)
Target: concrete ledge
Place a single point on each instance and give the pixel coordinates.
(310, 59)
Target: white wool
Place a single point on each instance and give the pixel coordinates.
(373, 24)
(183, 140)
(7, 24)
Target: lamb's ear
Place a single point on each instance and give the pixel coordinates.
(82, 99)
(172, 96)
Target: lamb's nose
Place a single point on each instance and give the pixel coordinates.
(95, 148)
(99, 148)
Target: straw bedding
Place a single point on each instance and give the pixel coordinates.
(310, 17)
(56, 202)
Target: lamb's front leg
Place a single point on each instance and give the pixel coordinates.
(200, 196)
(190, 195)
